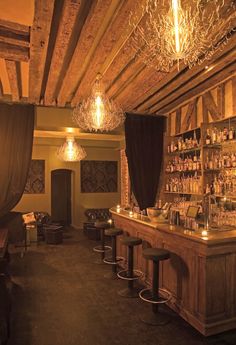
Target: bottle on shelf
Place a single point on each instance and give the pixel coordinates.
(225, 134)
(231, 133)
(208, 137)
(185, 184)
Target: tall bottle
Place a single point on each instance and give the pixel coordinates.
(208, 137)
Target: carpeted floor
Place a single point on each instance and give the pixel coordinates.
(61, 297)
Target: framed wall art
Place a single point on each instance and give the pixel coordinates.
(98, 176)
(36, 178)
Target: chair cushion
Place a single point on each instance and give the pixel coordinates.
(156, 254)
(131, 241)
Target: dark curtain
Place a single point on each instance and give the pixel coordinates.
(16, 140)
(144, 150)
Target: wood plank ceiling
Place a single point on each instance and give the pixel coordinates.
(70, 41)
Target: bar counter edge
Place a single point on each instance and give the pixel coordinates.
(200, 275)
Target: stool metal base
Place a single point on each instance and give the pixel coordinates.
(110, 261)
(100, 249)
(156, 317)
(124, 275)
(146, 295)
(129, 292)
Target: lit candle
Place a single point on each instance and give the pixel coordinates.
(204, 232)
(118, 208)
(131, 214)
(109, 221)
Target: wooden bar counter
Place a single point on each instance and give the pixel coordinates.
(201, 274)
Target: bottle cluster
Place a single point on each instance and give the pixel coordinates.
(222, 185)
(189, 163)
(218, 135)
(189, 184)
(220, 160)
(183, 144)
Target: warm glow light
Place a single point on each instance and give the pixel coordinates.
(70, 151)
(97, 112)
(204, 233)
(131, 214)
(175, 9)
(109, 221)
(174, 30)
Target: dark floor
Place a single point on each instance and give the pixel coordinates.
(61, 297)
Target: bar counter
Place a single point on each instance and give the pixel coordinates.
(201, 274)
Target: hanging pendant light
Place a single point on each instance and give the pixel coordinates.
(179, 30)
(70, 151)
(98, 112)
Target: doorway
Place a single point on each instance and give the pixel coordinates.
(61, 196)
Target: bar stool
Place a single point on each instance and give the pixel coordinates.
(102, 248)
(113, 260)
(130, 274)
(152, 295)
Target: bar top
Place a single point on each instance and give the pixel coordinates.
(209, 238)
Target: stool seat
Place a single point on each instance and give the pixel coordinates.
(113, 232)
(156, 254)
(131, 241)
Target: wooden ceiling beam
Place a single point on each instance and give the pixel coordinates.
(14, 52)
(122, 52)
(14, 41)
(207, 84)
(14, 76)
(175, 78)
(114, 30)
(14, 33)
(182, 89)
(129, 95)
(67, 24)
(91, 34)
(39, 44)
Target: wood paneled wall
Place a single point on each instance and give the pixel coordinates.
(212, 105)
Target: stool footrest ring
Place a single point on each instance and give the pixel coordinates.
(124, 275)
(99, 249)
(146, 295)
(110, 262)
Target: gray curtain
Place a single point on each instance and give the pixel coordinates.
(16, 140)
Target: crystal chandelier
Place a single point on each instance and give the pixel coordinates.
(173, 30)
(70, 151)
(97, 112)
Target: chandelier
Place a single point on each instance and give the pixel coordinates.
(97, 112)
(173, 30)
(70, 151)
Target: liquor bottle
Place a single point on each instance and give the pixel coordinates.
(225, 134)
(206, 163)
(214, 135)
(195, 142)
(180, 140)
(208, 137)
(231, 133)
(210, 163)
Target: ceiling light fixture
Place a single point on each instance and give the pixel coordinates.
(98, 112)
(70, 151)
(174, 30)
